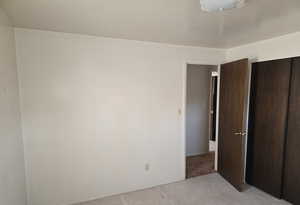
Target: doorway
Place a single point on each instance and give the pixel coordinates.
(201, 111)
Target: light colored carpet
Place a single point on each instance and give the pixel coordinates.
(210, 189)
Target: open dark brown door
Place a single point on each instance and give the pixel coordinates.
(234, 80)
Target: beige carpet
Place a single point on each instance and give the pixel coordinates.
(210, 189)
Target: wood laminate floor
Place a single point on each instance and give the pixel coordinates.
(200, 165)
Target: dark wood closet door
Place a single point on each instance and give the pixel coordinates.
(291, 188)
(268, 110)
(234, 80)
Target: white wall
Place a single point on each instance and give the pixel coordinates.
(276, 48)
(197, 109)
(12, 173)
(97, 110)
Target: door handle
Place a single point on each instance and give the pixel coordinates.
(240, 133)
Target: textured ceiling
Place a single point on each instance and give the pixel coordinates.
(169, 21)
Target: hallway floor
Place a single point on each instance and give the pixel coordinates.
(200, 165)
(210, 189)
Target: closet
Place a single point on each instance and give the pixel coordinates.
(273, 157)
(291, 178)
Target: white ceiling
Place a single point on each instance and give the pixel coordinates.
(168, 21)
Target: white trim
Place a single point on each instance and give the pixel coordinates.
(183, 117)
(217, 118)
(247, 115)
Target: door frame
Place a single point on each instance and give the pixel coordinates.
(182, 112)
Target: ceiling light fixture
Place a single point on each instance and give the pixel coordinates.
(220, 5)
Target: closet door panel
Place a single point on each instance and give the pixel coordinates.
(291, 188)
(268, 111)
